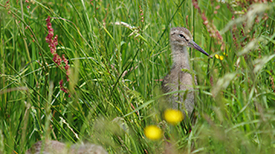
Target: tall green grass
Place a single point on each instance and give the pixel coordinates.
(118, 53)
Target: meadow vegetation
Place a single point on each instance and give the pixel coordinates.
(90, 71)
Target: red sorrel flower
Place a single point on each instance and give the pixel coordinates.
(53, 42)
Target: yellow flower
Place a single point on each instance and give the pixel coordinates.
(220, 57)
(173, 116)
(152, 132)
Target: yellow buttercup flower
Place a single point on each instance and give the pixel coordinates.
(173, 116)
(153, 132)
(220, 57)
(217, 56)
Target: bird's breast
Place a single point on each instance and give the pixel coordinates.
(179, 80)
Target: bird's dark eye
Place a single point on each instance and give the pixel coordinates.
(181, 35)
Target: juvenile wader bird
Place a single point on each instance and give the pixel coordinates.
(179, 77)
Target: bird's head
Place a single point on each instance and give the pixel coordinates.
(180, 36)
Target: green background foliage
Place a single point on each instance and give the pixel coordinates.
(118, 53)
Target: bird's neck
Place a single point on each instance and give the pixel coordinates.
(180, 57)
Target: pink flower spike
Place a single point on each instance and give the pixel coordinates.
(53, 42)
(66, 62)
(48, 20)
(67, 77)
(61, 83)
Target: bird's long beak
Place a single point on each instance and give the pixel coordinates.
(197, 47)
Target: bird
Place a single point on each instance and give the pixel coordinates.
(56, 147)
(179, 77)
